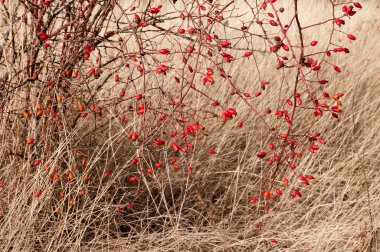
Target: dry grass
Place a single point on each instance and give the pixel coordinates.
(208, 211)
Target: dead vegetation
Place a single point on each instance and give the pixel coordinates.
(206, 210)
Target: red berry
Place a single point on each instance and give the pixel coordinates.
(158, 165)
(212, 152)
(262, 154)
(247, 54)
(164, 51)
(337, 69)
(133, 179)
(357, 5)
(181, 31)
(43, 35)
(154, 10)
(278, 191)
(253, 200)
(283, 135)
(38, 193)
(225, 44)
(160, 142)
(350, 36)
(273, 23)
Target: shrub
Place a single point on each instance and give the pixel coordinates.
(104, 98)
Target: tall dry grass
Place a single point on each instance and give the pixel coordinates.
(208, 210)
